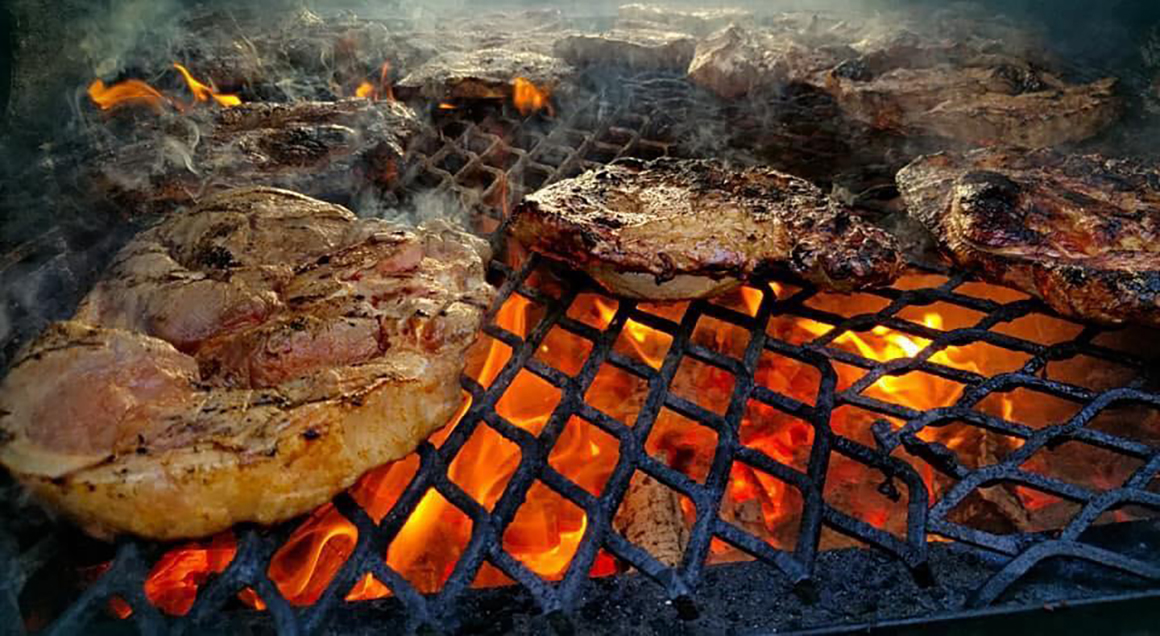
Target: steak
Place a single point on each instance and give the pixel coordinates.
(324, 149)
(735, 61)
(674, 229)
(1080, 232)
(641, 49)
(244, 361)
(1002, 101)
(481, 74)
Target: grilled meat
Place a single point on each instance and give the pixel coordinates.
(481, 74)
(734, 61)
(323, 149)
(1080, 232)
(673, 229)
(632, 48)
(244, 361)
(698, 22)
(1003, 101)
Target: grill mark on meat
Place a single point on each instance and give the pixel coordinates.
(239, 384)
(1048, 223)
(673, 218)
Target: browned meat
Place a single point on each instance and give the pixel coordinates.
(1004, 101)
(1080, 232)
(734, 61)
(632, 48)
(481, 74)
(698, 22)
(327, 149)
(672, 229)
(244, 361)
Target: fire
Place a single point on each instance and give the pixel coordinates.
(547, 529)
(381, 91)
(134, 92)
(204, 93)
(126, 93)
(529, 98)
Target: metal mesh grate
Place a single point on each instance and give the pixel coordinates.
(491, 161)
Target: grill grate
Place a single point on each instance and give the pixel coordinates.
(489, 163)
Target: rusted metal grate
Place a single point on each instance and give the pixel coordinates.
(488, 162)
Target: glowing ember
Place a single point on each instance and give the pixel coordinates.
(529, 98)
(547, 528)
(126, 93)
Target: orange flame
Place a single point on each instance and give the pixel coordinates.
(368, 90)
(204, 93)
(136, 92)
(529, 98)
(547, 529)
(126, 93)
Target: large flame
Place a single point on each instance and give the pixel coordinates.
(547, 529)
(134, 92)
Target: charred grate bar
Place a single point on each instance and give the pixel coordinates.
(454, 156)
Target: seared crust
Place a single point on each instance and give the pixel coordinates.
(1080, 232)
(243, 362)
(997, 101)
(673, 218)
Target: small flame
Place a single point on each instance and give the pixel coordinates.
(204, 93)
(447, 106)
(383, 91)
(529, 98)
(128, 92)
(137, 92)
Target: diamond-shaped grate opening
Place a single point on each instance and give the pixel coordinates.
(821, 420)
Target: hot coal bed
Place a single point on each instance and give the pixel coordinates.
(939, 455)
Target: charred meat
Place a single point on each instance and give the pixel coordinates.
(481, 74)
(1080, 232)
(332, 150)
(674, 229)
(1002, 100)
(642, 49)
(244, 361)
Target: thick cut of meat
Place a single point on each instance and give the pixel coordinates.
(698, 22)
(734, 61)
(631, 48)
(245, 361)
(323, 149)
(1080, 232)
(672, 229)
(481, 74)
(1005, 101)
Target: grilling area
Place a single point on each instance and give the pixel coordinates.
(944, 452)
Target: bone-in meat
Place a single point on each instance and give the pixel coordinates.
(1081, 232)
(243, 361)
(671, 229)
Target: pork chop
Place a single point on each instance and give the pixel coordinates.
(245, 361)
(675, 229)
(1082, 233)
